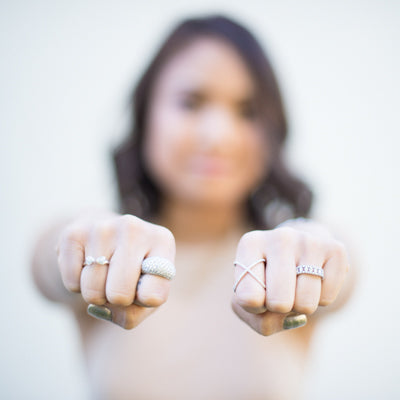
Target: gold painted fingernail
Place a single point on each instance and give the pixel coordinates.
(99, 312)
(294, 321)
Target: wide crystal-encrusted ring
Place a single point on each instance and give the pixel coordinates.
(89, 260)
(158, 266)
(310, 270)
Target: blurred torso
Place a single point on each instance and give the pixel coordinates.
(194, 346)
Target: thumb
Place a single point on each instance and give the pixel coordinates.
(127, 317)
(268, 323)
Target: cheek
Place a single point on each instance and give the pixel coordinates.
(256, 156)
(165, 144)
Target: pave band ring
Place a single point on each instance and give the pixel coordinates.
(310, 270)
(158, 266)
(247, 270)
(89, 260)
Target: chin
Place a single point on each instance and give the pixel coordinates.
(217, 197)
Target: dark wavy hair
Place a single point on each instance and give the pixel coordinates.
(280, 196)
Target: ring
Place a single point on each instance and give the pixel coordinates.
(158, 266)
(310, 270)
(247, 270)
(89, 260)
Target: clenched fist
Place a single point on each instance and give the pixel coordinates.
(124, 295)
(270, 294)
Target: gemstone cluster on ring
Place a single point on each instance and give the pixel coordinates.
(102, 260)
(310, 270)
(158, 266)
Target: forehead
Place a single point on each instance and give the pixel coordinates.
(209, 64)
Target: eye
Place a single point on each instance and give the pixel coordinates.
(248, 111)
(190, 102)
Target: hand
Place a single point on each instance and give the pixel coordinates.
(267, 310)
(118, 290)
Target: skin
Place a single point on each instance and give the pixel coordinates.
(207, 151)
(205, 145)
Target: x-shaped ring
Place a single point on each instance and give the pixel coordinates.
(248, 270)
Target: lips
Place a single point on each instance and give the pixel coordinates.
(210, 166)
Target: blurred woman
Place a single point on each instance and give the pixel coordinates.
(204, 187)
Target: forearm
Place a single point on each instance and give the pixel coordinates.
(44, 268)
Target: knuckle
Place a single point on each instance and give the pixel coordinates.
(250, 238)
(285, 236)
(306, 308)
(279, 306)
(93, 296)
(326, 301)
(71, 286)
(128, 219)
(311, 244)
(129, 222)
(250, 301)
(119, 298)
(154, 298)
(166, 235)
(103, 229)
(73, 233)
(339, 250)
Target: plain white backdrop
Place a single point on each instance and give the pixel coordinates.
(66, 71)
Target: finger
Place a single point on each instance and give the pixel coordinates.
(136, 240)
(281, 248)
(308, 287)
(308, 292)
(132, 243)
(126, 317)
(335, 271)
(268, 322)
(249, 273)
(124, 272)
(93, 277)
(70, 254)
(153, 290)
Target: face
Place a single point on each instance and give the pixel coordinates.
(204, 143)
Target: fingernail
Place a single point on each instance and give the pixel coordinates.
(99, 312)
(294, 321)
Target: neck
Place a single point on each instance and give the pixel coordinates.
(194, 223)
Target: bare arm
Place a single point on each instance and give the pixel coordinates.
(44, 269)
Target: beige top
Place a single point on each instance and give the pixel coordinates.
(194, 346)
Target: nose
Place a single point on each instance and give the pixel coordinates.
(217, 127)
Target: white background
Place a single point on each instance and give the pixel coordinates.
(66, 70)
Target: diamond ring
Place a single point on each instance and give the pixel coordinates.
(158, 266)
(89, 260)
(310, 270)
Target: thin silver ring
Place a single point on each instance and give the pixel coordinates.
(102, 260)
(247, 270)
(310, 270)
(158, 266)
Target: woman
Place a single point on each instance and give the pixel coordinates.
(200, 176)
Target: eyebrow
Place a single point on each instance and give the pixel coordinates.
(248, 99)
